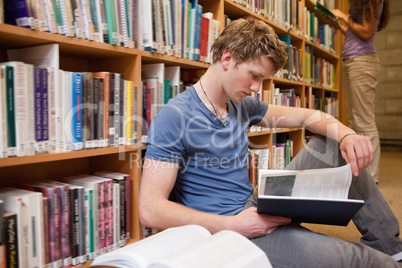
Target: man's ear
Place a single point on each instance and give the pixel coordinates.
(226, 59)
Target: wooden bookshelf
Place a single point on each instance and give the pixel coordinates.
(81, 55)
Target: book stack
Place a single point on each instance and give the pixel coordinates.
(64, 223)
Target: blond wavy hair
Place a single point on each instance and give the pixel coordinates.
(250, 38)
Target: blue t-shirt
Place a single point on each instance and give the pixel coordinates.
(212, 176)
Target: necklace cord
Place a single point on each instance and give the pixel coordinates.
(213, 106)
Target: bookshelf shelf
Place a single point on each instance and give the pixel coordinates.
(27, 160)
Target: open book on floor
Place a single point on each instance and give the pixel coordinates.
(187, 246)
(310, 196)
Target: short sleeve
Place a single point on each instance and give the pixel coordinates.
(256, 109)
(166, 132)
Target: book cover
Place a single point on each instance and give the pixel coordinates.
(44, 76)
(33, 203)
(121, 138)
(76, 102)
(30, 109)
(9, 85)
(111, 23)
(88, 103)
(10, 222)
(197, 37)
(3, 115)
(98, 111)
(105, 109)
(97, 212)
(322, 9)
(20, 104)
(311, 196)
(77, 225)
(14, 204)
(64, 221)
(16, 13)
(54, 218)
(87, 225)
(121, 180)
(129, 119)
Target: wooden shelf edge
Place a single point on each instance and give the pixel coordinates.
(13, 36)
(33, 159)
(271, 131)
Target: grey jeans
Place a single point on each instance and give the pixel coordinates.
(295, 246)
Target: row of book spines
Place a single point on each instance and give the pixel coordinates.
(288, 13)
(317, 70)
(47, 95)
(120, 22)
(103, 21)
(276, 157)
(328, 104)
(293, 66)
(69, 228)
(257, 159)
(320, 34)
(193, 41)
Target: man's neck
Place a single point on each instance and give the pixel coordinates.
(209, 89)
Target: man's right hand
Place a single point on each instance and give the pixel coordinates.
(252, 224)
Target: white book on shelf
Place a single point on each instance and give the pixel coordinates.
(187, 246)
(14, 204)
(33, 202)
(30, 124)
(173, 74)
(156, 70)
(3, 115)
(67, 107)
(147, 33)
(44, 56)
(20, 105)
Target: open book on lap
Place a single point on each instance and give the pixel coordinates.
(310, 196)
(187, 246)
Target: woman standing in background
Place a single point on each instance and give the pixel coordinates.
(361, 67)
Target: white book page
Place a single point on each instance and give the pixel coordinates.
(225, 249)
(140, 254)
(328, 183)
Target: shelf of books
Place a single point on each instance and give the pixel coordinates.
(80, 82)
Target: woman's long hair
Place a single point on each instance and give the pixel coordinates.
(358, 7)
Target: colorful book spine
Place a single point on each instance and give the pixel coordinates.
(45, 109)
(77, 121)
(16, 13)
(10, 222)
(11, 137)
(197, 37)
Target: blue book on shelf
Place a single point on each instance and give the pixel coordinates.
(38, 109)
(191, 33)
(16, 13)
(197, 39)
(77, 122)
(288, 64)
(45, 109)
